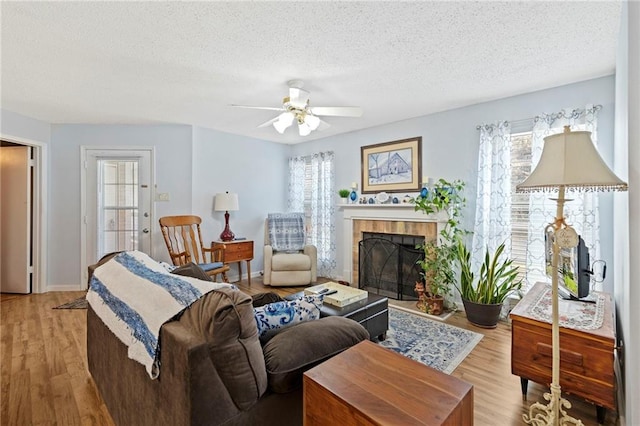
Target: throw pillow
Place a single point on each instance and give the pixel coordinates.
(262, 299)
(274, 316)
(192, 270)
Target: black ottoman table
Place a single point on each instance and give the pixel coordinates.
(372, 313)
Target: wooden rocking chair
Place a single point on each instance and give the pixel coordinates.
(184, 242)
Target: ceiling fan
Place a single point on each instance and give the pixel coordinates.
(296, 107)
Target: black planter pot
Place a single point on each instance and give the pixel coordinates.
(482, 315)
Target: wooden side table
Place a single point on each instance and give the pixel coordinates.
(586, 356)
(237, 251)
(371, 385)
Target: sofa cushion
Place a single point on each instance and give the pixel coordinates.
(224, 319)
(192, 270)
(277, 315)
(290, 262)
(296, 349)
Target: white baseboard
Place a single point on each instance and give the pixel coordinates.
(64, 287)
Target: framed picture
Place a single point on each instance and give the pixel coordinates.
(392, 166)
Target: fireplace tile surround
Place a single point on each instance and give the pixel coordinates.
(382, 218)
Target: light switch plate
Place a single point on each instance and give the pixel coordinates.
(162, 196)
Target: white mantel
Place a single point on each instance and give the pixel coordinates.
(385, 212)
(403, 211)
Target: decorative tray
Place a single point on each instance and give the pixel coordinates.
(343, 296)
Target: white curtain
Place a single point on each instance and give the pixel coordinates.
(581, 213)
(297, 166)
(492, 224)
(312, 191)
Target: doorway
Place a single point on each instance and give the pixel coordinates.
(37, 237)
(16, 226)
(117, 202)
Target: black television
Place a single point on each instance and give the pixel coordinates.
(574, 269)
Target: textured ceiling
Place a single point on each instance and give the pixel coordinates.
(175, 62)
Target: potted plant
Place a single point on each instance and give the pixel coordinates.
(439, 256)
(429, 301)
(344, 194)
(483, 298)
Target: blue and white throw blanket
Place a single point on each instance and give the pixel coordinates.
(286, 231)
(134, 295)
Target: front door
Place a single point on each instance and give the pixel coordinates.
(118, 205)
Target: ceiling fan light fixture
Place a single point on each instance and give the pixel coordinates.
(304, 129)
(312, 121)
(283, 122)
(297, 107)
(286, 118)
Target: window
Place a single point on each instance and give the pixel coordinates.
(307, 192)
(311, 190)
(521, 247)
(118, 205)
(520, 169)
(505, 159)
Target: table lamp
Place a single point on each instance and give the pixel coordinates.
(570, 161)
(226, 202)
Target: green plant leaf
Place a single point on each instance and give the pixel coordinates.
(496, 279)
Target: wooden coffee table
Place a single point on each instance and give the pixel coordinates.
(372, 313)
(371, 385)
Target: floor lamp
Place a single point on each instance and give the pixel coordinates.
(570, 161)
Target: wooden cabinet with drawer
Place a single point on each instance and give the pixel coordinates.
(586, 355)
(237, 251)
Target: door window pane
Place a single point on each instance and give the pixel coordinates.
(118, 205)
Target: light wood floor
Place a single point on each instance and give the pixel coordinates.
(44, 377)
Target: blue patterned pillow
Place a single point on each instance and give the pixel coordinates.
(274, 316)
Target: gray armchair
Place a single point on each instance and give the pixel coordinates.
(288, 268)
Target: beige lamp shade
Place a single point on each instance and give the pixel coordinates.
(226, 202)
(571, 160)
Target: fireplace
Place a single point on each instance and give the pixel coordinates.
(387, 264)
(398, 219)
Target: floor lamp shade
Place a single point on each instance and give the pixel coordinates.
(569, 160)
(226, 202)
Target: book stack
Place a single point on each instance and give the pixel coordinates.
(337, 294)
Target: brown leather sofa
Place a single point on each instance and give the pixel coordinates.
(214, 369)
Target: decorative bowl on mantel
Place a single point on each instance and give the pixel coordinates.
(382, 197)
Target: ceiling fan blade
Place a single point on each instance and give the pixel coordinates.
(259, 107)
(269, 122)
(323, 125)
(337, 111)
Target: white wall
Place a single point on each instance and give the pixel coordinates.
(191, 164)
(627, 210)
(23, 127)
(633, 341)
(186, 164)
(450, 141)
(173, 175)
(256, 170)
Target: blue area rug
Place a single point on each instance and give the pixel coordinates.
(436, 344)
